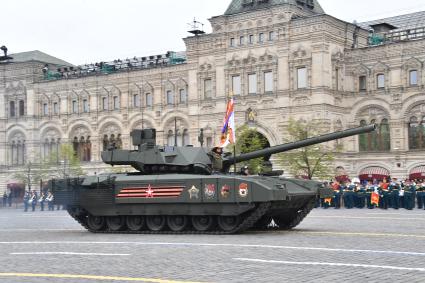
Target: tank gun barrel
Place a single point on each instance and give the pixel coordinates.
(299, 144)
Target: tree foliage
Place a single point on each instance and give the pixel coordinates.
(310, 162)
(62, 164)
(248, 140)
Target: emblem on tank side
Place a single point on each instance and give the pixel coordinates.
(193, 193)
(225, 191)
(209, 191)
(243, 190)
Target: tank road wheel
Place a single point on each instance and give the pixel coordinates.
(177, 223)
(115, 223)
(156, 222)
(95, 223)
(203, 223)
(135, 223)
(228, 223)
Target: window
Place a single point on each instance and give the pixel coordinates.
(236, 85)
(149, 100)
(116, 103)
(208, 88)
(362, 83)
(136, 100)
(336, 79)
(302, 78)
(170, 98)
(45, 109)
(74, 106)
(271, 36)
(55, 108)
(183, 96)
(21, 108)
(170, 138)
(413, 78)
(416, 133)
(380, 81)
(241, 40)
(268, 82)
(379, 140)
(85, 106)
(252, 84)
(232, 42)
(261, 38)
(251, 39)
(186, 139)
(104, 103)
(12, 112)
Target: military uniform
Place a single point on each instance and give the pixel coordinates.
(409, 197)
(361, 197)
(349, 197)
(420, 191)
(369, 191)
(216, 161)
(395, 195)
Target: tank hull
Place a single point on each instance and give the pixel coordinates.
(175, 197)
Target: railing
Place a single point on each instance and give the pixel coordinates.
(397, 36)
(105, 68)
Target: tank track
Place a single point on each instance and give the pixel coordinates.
(248, 222)
(299, 217)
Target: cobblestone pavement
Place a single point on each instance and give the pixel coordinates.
(329, 246)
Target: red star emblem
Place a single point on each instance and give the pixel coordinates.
(149, 192)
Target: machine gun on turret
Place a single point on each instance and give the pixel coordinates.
(149, 158)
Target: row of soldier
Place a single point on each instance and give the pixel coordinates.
(394, 194)
(32, 199)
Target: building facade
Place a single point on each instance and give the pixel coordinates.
(280, 59)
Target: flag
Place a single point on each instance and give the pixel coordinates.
(328, 201)
(374, 199)
(228, 131)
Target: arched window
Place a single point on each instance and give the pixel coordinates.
(416, 133)
(379, 140)
(186, 138)
(170, 138)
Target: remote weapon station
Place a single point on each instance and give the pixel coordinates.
(177, 190)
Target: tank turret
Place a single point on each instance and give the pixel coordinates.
(150, 158)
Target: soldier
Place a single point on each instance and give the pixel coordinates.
(423, 193)
(33, 200)
(349, 196)
(409, 195)
(384, 194)
(27, 197)
(369, 190)
(49, 200)
(361, 196)
(419, 194)
(245, 171)
(216, 156)
(41, 200)
(337, 194)
(395, 194)
(4, 199)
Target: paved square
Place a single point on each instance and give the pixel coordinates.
(329, 246)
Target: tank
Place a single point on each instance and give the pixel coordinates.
(177, 190)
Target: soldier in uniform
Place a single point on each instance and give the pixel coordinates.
(369, 190)
(26, 200)
(361, 196)
(409, 195)
(419, 194)
(395, 194)
(337, 194)
(349, 196)
(216, 156)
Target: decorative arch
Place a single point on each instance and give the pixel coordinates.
(374, 173)
(17, 147)
(416, 127)
(183, 131)
(111, 134)
(136, 119)
(379, 140)
(80, 135)
(266, 132)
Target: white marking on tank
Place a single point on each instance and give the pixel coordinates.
(68, 253)
(331, 264)
(221, 245)
(372, 218)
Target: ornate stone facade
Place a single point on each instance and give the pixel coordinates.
(279, 61)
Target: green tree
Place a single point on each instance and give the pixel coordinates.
(248, 140)
(310, 162)
(30, 176)
(62, 164)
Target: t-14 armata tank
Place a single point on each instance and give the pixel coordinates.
(177, 190)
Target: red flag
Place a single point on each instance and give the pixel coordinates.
(374, 199)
